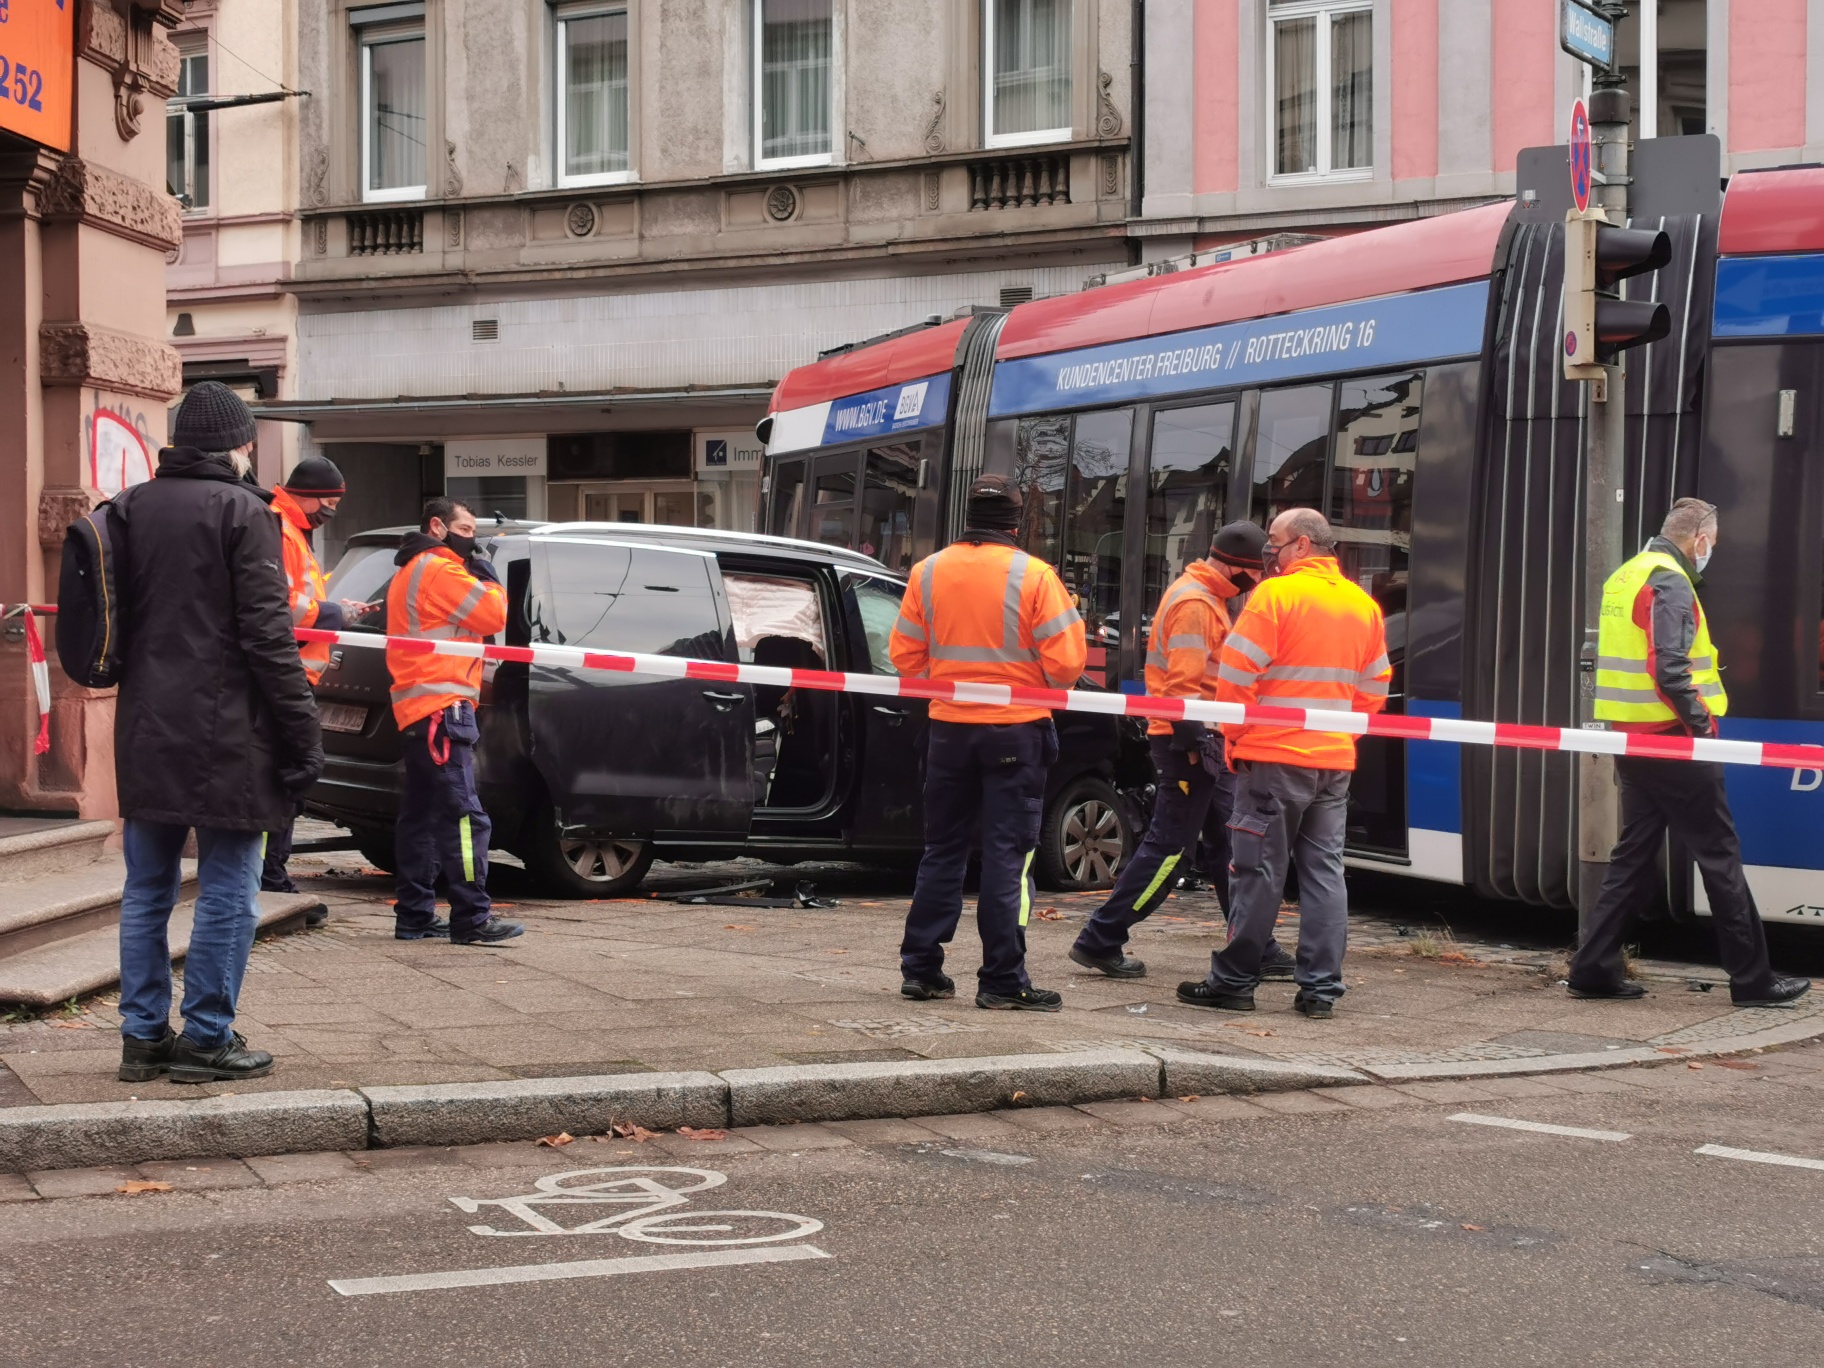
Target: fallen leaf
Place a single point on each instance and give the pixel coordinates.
(706, 1133)
(133, 1187)
(632, 1130)
(736, 926)
(1019, 1097)
(1258, 1031)
(1192, 1098)
(1049, 914)
(557, 1141)
(1693, 1064)
(1468, 1226)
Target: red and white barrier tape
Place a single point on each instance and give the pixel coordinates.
(1761, 753)
(41, 681)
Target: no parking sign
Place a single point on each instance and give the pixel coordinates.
(1580, 157)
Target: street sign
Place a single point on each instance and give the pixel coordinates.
(1580, 156)
(1586, 35)
(37, 46)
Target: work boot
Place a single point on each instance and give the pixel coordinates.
(1117, 965)
(1783, 992)
(932, 989)
(1025, 1000)
(491, 932)
(316, 914)
(1199, 993)
(141, 1061)
(1625, 991)
(1277, 964)
(437, 929)
(1317, 1008)
(193, 1063)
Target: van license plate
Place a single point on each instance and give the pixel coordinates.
(342, 717)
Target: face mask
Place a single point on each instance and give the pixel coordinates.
(1242, 580)
(1269, 560)
(1702, 559)
(461, 545)
(320, 516)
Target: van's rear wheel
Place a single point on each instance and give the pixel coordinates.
(376, 847)
(583, 867)
(1085, 838)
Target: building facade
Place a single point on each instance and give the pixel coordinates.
(555, 255)
(1272, 116)
(231, 164)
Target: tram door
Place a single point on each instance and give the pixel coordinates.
(872, 501)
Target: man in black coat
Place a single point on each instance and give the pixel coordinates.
(215, 731)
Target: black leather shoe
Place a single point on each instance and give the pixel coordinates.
(1782, 993)
(1627, 990)
(1198, 993)
(491, 932)
(1278, 966)
(1115, 966)
(1317, 1008)
(439, 929)
(1026, 1000)
(193, 1063)
(928, 990)
(141, 1061)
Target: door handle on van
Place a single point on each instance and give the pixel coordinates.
(723, 702)
(894, 716)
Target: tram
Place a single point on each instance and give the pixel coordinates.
(1407, 381)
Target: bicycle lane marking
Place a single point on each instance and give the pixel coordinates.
(649, 1204)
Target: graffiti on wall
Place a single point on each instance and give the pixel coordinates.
(118, 445)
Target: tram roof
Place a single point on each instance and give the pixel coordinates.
(1445, 250)
(910, 356)
(1781, 210)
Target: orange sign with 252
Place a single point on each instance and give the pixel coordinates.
(37, 43)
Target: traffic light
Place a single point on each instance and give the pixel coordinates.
(1598, 323)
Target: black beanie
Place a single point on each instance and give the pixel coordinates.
(315, 477)
(212, 418)
(1238, 544)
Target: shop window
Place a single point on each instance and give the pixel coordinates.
(187, 134)
(792, 82)
(1321, 89)
(1027, 68)
(592, 80)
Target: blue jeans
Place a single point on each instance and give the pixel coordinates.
(227, 912)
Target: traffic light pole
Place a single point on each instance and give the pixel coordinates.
(1605, 468)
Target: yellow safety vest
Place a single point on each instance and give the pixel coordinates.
(1625, 691)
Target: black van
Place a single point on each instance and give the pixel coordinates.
(588, 776)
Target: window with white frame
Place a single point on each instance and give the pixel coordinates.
(792, 82)
(393, 101)
(592, 136)
(1026, 71)
(187, 134)
(1320, 89)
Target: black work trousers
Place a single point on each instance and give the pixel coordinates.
(274, 877)
(1685, 798)
(442, 826)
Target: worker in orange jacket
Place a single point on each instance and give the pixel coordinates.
(1183, 652)
(304, 501)
(982, 611)
(444, 590)
(1309, 638)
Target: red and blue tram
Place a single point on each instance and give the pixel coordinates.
(1407, 381)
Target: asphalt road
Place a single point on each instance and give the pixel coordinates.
(1357, 1234)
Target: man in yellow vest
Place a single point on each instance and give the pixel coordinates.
(1657, 672)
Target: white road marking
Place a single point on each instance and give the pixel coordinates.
(586, 1268)
(1759, 1157)
(1540, 1127)
(982, 1156)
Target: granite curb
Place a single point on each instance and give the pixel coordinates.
(383, 1117)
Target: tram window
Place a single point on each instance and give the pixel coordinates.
(833, 500)
(1187, 488)
(1291, 444)
(1094, 528)
(1377, 443)
(889, 492)
(1041, 460)
(787, 498)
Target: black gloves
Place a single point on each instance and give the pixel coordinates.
(297, 777)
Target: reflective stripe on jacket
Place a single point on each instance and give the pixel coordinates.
(987, 613)
(1656, 667)
(1309, 638)
(1184, 646)
(435, 598)
(305, 578)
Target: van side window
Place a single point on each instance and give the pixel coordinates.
(876, 603)
(616, 598)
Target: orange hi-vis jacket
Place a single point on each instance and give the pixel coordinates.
(1184, 647)
(1309, 638)
(305, 577)
(986, 613)
(435, 598)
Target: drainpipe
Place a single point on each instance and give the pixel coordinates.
(1136, 155)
